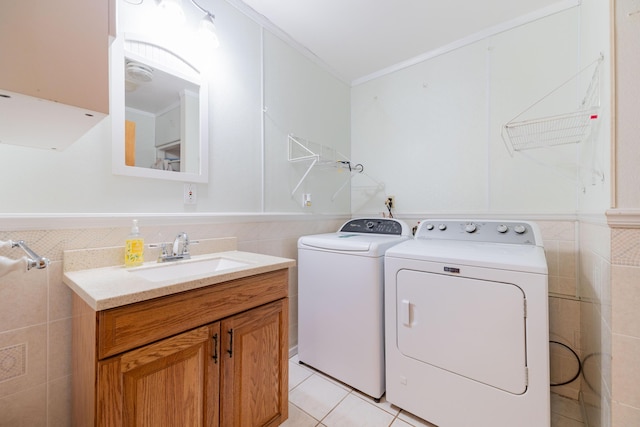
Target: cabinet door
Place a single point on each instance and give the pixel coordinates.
(174, 382)
(255, 367)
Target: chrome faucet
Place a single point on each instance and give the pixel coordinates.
(179, 249)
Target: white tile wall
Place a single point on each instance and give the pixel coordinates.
(560, 246)
(595, 318)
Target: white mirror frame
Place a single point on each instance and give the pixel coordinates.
(117, 109)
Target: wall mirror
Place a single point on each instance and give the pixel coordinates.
(159, 112)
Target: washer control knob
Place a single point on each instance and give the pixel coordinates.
(502, 228)
(470, 228)
(370, 224)
(442, 227)
(429, 226)
(519, 229)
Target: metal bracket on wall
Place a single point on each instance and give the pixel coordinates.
(301, 150)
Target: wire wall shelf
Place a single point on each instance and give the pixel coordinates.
(569, 128)
(549, 131)
(317, 155)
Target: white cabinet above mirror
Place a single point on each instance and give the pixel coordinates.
(159, 105)
(54, 70)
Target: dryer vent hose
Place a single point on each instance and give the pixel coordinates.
(577, 359)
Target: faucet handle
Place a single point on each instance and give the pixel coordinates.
(163, 250)
(185, 244)
(181, 244)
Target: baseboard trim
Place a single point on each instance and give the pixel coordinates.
(293, 351)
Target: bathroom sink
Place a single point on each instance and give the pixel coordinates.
(185, 269)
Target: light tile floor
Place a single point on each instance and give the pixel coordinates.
(318, 400)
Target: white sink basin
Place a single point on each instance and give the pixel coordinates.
(185, 269)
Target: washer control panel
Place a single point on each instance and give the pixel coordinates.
(491, 231)
(375, 226)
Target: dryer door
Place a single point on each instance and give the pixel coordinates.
(469, 327)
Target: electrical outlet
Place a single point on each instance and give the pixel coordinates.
(390, 202)
(306, 200)
(189, 194)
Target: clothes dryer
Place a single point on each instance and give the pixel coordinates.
(340, 301)
(467, 324)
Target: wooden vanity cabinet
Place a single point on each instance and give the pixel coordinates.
(254, 368)
(173, 382)
(230, 369)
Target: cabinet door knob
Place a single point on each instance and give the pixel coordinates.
(230, 351)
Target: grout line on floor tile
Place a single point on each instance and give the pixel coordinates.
(334, 407)
(306, 413)
(397, 412)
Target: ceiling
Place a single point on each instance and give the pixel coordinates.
(356, 39)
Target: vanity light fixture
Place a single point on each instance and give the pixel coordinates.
(173, 10)
(207, 30)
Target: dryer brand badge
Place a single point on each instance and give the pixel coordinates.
(452, 270)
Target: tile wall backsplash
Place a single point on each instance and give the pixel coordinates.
(560, 246)
(625, 327)
(35, 307)
(595, 321)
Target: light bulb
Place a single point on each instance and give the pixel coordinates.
(207, 31)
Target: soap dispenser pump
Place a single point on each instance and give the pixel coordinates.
(134, 247)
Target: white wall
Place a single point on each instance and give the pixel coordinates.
(432, 132)
(305, 101)
(79, 179)
(595, 174)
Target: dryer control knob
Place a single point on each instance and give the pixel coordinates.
(519, 229)
(442, 227)
(429, 226)
(502, 228)
(470, 228)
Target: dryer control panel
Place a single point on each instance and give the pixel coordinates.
(375, 226)
(490, 231)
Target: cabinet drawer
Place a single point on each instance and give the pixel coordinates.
(124, 328)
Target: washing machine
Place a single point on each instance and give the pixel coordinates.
(341, 303)
(466, 319)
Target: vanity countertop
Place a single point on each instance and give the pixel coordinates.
(113, 286)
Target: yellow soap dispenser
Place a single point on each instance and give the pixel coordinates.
(134, 247)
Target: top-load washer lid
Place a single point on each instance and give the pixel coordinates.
(362, 236)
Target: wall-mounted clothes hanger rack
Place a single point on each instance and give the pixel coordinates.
(318, 155)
